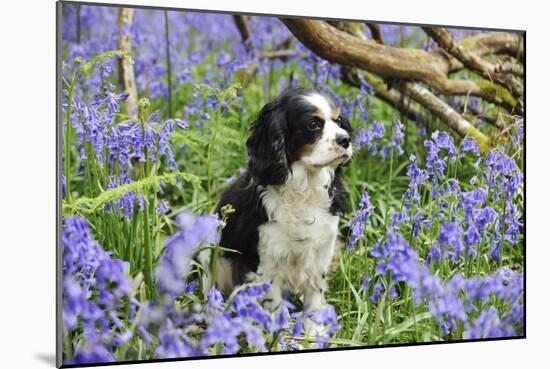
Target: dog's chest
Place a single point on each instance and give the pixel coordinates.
(298, 241)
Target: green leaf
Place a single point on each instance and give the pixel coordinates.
(88, 67)
(231, 91)
(141, 187)
(394, 331)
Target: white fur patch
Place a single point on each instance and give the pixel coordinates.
(224, 275)
(322, 104)
(298, 243)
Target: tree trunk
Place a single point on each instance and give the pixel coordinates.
(125, 67)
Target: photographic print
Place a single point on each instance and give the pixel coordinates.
(244, 184)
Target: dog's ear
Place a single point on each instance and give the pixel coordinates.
(266, 146)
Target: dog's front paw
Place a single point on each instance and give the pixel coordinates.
(270, 304)
(313, 329)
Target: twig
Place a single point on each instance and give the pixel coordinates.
(376, 32)
(241, 21)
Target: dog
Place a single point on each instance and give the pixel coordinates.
(287, 203)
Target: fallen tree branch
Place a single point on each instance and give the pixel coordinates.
(472, 61)
(403, 104)
(444, 112)
(436, 106)
(340, 47)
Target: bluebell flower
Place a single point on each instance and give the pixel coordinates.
(451, 235)
(483, 218)
(502, 174)
(445, 300)
(368, 137)
(365, 283)
(489, 325)
(417, 177)
(360, 220)
(420, 220)
(469, 145)
(398, 218)
(162, 207)
(435, 166)
(433, 255)
(94, 285)
(496, 250)
(444, 141)
(63, 185)
(378, 290)
(519, 135)
(174, 343)
(327, 319)
(471, 239)
(191, 287)
(397, 140)
(513, 223)
(91, 354)
(175, 263)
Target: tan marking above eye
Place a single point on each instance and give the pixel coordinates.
(336, 113)
(319, 114)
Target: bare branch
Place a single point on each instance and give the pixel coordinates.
(444, 112)
(407, 64)
(125, 67)
(493, 43)
(241, 21)
(278, 54)
(471, 60)
(376, 32)
(507, 67)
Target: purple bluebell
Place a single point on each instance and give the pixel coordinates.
(398, 137)
(175, 263)
(377, 293)
(360, 220)
(370, 136)
(489, 325)
(94, 285)
(417, 178)
(469, 145)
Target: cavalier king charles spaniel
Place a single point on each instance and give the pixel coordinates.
(288, 201)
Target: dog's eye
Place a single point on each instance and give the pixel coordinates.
(315, 124)
(339, 120)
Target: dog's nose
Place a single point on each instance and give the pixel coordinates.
(343, 140)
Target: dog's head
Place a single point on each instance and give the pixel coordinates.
(299, 125)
